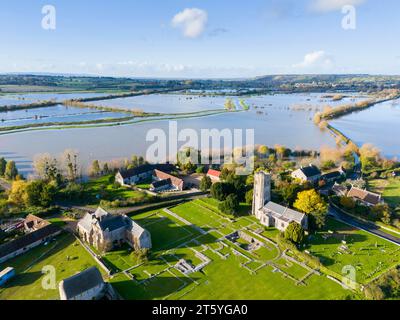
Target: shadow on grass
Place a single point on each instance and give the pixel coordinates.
(23, 279)
(156, 288)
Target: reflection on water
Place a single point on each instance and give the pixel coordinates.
(379, 125)
(273, 119)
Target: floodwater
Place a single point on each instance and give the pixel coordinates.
(379, 125)
(58, 113)
(18, 99)
(273, 118)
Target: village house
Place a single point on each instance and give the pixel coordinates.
(333, 176)
(165, 182)
(37, 231)
(214, 175)
(141, 173)
(310, 173)
(365, 197)
(33, 223)
(269, 213)
(86, 285)
(339, 190)
(106, 232)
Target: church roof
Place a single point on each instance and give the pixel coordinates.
(284, 213)
(112, 223)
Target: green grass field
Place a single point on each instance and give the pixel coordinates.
(102, 186)
(368, 254)
(158, 279)
(66, 255)
(390, 190)
(196, 232)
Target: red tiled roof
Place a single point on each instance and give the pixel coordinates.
(214, 173)
(364, 195)
(176, 182)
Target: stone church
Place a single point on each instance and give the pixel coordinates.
(270, 213)
(106, 232)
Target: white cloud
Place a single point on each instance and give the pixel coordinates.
(333, 5)
(192, 22)
(316, 60)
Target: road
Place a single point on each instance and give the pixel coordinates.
(369, 227)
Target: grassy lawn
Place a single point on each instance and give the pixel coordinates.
(390, 190)
(103, 188)
(65, 254)
(231, 272)
(157, 279)
(368, 254)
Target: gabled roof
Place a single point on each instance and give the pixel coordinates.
(109, 222)
(112, 223)
(165, 176)
(310, 171)
(339, 189)
(28, 239)
(332, 175)
(146, 169)
(214, 173)
(364, 195)
(34, 222)
(136, 171)
(81, 282)
(161, 183)
(284, 213)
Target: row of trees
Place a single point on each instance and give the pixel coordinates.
(8, 169)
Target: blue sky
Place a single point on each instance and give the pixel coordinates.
(203, 38)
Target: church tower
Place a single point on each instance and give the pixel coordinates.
(262, 191)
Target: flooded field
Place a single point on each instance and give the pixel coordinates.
(378, 125)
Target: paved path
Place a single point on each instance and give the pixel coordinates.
(369, 227)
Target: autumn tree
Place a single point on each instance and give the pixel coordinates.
(311, 203)
(70, 158)
(370, 156)
(11, 171)
(18, 195)
(46, 167)
(95, 168)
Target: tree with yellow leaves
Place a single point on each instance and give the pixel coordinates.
(312, 204)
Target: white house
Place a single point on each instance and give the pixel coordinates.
(307, 174)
